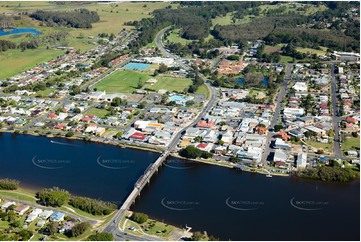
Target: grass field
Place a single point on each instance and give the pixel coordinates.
(101, 113)
(203, 90)
(312, 51)
(350, 144)
(13, 62)
(170, 84)
(174, 37)
(121, 81)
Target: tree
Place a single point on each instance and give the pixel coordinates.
(142, 105)
(140, 83)
(162, 68)
(78, 229)
(52, 227)
(25, 234)
(139, 217)
(278, 127)
(116, 102)
(220, 142)
(189, 103)
(69, 134)
(101, 237)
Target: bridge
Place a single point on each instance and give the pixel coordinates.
(112, 226)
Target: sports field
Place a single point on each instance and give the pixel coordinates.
(123, 81)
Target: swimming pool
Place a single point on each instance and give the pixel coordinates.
(20, 31)
(136, 66)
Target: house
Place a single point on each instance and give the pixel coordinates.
(205, 124)
(301, 161)
(227, 137)
(351, 120)
(260, 130)
(7, 205)
(219, 150)
(300, 87)
(57, 217)
(316, 131)
(46, 214)
(352, 153)
(283, 135)
(21, 209)
(33, 215)
(205, 147)
(41, 223)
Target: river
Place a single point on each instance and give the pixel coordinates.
(226, 203)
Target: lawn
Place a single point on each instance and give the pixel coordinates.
(121, 81)
(350, 144)
(101, 113)
(13, 62)
(170, 84)
(174, 37)
(312, 51)
(258, 94)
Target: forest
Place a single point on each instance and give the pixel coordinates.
(79, 18)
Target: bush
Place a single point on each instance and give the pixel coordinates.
(8, 184)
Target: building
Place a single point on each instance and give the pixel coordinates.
(301, 161)
(57, 217)
(280, 144)
(7, 205)
(279, 155)
(21, 209)
(46, 214)
(300, 87)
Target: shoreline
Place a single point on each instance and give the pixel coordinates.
(137, 147)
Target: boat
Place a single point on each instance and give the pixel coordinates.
(269, 175)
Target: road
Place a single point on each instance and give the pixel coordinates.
(280, 97)
(112, 227)
(335, 120)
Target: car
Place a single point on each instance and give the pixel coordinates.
(132, 228)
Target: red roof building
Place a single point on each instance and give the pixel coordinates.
(138, 136)
(351, 120)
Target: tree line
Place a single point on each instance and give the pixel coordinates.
(79, 18)
(329, 173)
(93, 206)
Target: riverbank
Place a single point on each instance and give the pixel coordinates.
(228, 165)
(151, 149)
(90, 139)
